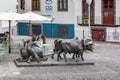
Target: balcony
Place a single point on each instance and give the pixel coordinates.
(97, 21)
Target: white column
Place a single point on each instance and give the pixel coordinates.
(89, 34)
(89, 28)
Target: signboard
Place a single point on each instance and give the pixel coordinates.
(48, 6)
(48, 1)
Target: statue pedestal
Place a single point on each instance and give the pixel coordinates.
(51, 62)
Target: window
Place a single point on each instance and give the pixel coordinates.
(22, 4)
(85, 11)
(62, 31)
(108, 10)
(35, 5)
(62, 5)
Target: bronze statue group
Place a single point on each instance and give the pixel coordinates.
(32, 49)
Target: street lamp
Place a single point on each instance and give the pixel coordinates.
(89, 28)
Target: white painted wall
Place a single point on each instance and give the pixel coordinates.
(59, 17)
(78, 12)
(117, 11)
(27, 6)
(110, 36)
(98, 12)
(64, 17)
(81, 31)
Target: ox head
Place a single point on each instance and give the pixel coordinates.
(88, 44)
(57, 45)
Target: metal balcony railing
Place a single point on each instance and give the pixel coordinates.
(96, 20)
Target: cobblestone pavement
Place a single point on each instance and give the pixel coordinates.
(105, 57)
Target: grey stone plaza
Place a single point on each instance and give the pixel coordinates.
(106, 67)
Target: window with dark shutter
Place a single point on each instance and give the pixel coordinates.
(62, 5)
(85, 12)
(35, 5)
(22, 5)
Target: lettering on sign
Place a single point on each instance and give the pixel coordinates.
(48, 7)
(48, 1)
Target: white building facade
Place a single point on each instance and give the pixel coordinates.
(70, 18)
(62, 25)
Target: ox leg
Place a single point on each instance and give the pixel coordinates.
(65, 56)
(77, 56)
(35, 55)
(29, 59)
(58, 56)
(91, 47)
(52, 56)
(82, 55)
(73, 57)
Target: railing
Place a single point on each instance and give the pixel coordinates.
(96, 20)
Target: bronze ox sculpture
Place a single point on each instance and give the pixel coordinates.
(31, 50)
(75, 46)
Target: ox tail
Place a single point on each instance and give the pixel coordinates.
(83, 44)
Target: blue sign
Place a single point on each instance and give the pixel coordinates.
(48, 8)
(48, 1)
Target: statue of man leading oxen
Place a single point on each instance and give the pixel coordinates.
(32, 51)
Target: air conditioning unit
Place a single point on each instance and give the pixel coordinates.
(85, 21)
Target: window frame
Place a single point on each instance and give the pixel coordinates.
(36, 5)
(22, 4)
(63, 5)
(84, 16)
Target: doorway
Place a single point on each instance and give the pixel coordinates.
(108, 11)
(63, 32)
(36, 29)
(98, 35)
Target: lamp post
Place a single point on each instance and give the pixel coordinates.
(89, 28)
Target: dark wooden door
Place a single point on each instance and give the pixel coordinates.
(108, 11)
(98, 35)
(23, 29)
(36, 29)
(63, 32)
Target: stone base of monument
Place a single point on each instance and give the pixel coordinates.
(51, 62)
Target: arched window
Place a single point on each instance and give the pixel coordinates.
(62, 5)
(35, 5)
